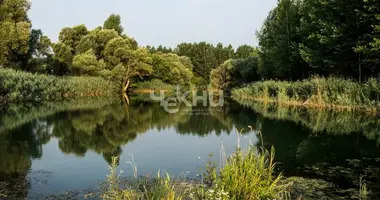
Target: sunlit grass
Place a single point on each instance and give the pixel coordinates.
(335, 93)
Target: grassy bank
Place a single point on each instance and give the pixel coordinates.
(245, 174)
(18, 86)
(335, 93)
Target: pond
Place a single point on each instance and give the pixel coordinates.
(66, 146)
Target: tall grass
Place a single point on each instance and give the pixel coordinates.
(18, 86)
(315, 92)
(145, 188)
(247, 174)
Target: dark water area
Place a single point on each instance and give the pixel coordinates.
(57, 147)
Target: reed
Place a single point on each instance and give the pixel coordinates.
(246, 174)
(317, 92)
(17, 86)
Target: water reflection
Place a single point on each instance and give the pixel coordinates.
(336, 147)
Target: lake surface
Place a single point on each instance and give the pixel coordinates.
(65, 146)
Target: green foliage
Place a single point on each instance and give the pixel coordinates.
(87, 64)
(114, 22)
(304, 38)
(102, 52)
(154, 84)
(172, 69)
(278, 40)
(14, 30)
(316, 92)
(221, 77)
(246, 70)
(158, 188)
(249, 174)
(63, 53)
(24, 87)
(245, 51)
(72, 36)
(234, 73)
(205, 56)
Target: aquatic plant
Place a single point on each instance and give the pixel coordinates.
(17, 86)
(245, 174)
(335, 93)
(363, 193)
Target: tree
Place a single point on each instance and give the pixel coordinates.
(244, 51)
(14, 30)
(63, 53)
(221, 77)
(278, 40)
(133, 63)
(172, 69)
(333, 33)
(246, 70)
(39, 54)
(204, 56)
(368, 46)
(72, 36)
(87, 64)
(114, 22)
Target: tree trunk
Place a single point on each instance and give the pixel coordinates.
(126, 86)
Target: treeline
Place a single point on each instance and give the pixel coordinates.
(105, 52)
(206, 56)
(308, 37)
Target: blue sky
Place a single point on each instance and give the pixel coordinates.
(155, 22)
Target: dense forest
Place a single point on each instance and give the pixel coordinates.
(298, 40)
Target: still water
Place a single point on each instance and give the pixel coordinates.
(58, 147)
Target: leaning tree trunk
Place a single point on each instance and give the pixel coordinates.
(125, 89)
(126, 86)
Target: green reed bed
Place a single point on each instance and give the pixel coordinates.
(152, 85)
(246, 174)
(18, 86)
(315, 92)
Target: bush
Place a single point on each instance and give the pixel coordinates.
(18, 86)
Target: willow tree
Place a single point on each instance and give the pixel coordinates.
(221, 77)
(172, 69)
(134, 63)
